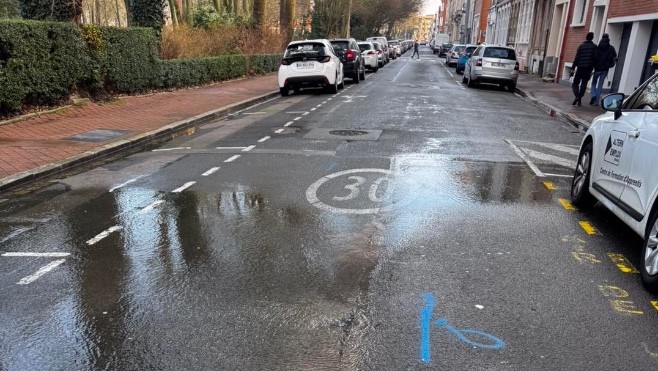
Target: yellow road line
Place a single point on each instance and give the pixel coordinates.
(622, 263)
(588, 227)
(566, 204)
(655, 304)
(549, 186)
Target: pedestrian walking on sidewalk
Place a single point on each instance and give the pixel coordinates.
(415, 50)
(584, 64)
(606, 57)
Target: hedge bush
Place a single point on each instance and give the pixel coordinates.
(43, 62)
(40, 62)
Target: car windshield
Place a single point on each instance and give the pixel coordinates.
(363, 47)
(314, 49)
(377, 46)
(502, 53)
(393, 43)
(340, 45)
(447, 46)
(458, 48)
(470, 49)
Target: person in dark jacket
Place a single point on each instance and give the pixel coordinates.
(606, 57)
(584, 64)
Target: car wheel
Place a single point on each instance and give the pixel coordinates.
(580, 195)
(649, 266)
(333, 89)
(363, 74)
(470, 82)
(375, 69)
(356, 78)
(284, 92)
(511, 87)
(464, 79)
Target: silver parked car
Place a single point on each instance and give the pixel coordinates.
(453, 54)
(493, 64)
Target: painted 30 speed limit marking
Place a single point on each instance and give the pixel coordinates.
(360, 185)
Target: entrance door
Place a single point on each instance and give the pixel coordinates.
(621, 56)
(652, 50)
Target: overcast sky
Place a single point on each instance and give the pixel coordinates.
(431, 6)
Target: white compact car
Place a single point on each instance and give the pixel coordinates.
(310, 63)
(369, 54)
(617, 166)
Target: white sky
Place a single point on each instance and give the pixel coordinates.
(431, 6)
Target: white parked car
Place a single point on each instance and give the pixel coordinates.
(310, 63)
(369, 54)
(617, 166)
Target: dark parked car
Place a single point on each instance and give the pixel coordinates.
(443, 49)
(350, 55)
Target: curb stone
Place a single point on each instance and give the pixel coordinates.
(552, 111)
(128, 145)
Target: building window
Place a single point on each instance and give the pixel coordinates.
(579, 13)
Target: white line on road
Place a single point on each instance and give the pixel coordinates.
(16, 233)
(319, 105)
(324, 102)
(230, 147)
(305, 113)
(210, 171)
(261, 140)
(447, 70)
(550, 158)
(248, 148)
(279, 131)
(295, 112)
(37, 254)
(253, 113)
(151, 206)
(183, 187)
(399, 72)
(297, 118)
(288, 123)
(525, 158)
(558, 175)
(43, 270)
(313, 109)
(170, 149)
(233, 158)
(104, 234)
(126, 183)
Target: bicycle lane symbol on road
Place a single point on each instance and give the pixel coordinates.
(492, 342)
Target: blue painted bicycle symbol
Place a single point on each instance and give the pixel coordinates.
(492, 342)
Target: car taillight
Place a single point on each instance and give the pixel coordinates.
(379, 52)
(325, 59)
(516, 67)
(478, 63)
(285, 62)
(350, 56)
(370, 52)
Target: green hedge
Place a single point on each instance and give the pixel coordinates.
(43, 62)
(40, 62)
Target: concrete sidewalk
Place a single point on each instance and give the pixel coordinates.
(40, 147)
(556, 100)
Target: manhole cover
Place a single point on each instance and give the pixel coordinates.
(100, 135)
(348, 133)
(343, 134)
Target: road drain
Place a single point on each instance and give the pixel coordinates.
(343, 134)
(348, 133)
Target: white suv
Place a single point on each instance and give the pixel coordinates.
(617, 166)
(310, 63)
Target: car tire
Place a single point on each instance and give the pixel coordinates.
(464, 79)
(511, 87)
(470, 83)
(356, 78)
(375, 69)
(333, 89)
(284, 92)
(363, 74)
(649, 263)
(580, 195)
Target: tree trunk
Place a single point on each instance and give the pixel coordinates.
(287, 18)
(173, 9)
(129, 13)
(117, 13)
(260, 7)
(217, 4)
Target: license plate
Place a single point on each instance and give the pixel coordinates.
(305, 65)
(495, 64)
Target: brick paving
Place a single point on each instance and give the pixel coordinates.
(28, 144)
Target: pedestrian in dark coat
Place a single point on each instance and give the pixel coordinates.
(606, 57)
(415, 50)
(584, 64)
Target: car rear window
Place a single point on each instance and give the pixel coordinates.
(502, 53)
(459, 48)
(309, 49)
(363, 47)
(340, 45)
(447, 46)
(470, 49)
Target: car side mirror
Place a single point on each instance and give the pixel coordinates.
(613, 103)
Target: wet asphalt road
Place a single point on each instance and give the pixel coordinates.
(393, 226)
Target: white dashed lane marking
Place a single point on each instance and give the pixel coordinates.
(37, 254)
(279, 131)
(233, 158)
(104, 234)
(261, 140)
(248, 148)
(43, 270)
(183, 187)
(210, 171)
(151, 206)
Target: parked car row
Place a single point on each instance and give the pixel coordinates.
(323, 63)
